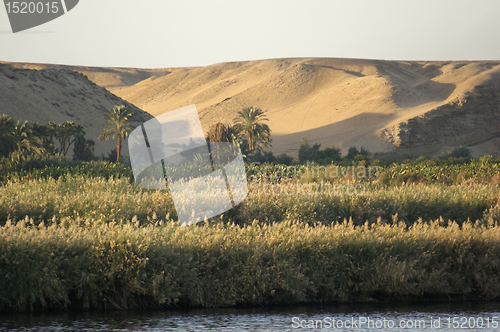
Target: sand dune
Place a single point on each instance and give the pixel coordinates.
(105, 77)
(58, 94)
(390, 107)
(335, 102)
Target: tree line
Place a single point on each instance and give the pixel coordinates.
(21, 140)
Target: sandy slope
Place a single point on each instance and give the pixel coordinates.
(58, 94)
(335, 102)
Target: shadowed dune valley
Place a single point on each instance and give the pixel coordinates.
(388, 107)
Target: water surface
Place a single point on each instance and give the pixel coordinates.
(448, 316)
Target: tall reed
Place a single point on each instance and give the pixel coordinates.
(117, 199)
(88, 264)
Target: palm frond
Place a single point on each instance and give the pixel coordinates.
(117, 125)
(249, 123)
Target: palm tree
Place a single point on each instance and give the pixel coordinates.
(27, 143)
(221, 132)
(249, 123)
(8, 140)
(118, 125)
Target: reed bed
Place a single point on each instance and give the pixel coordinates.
(98, 198)
(90, 264)
(116, 200)
(89, 239)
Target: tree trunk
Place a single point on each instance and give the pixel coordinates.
(250, 141)
(118, 147)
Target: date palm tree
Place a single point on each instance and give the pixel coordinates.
(8, 140)
(221, 132)
(27, 140)
(118, 124)
(27, 143)
(249, 123)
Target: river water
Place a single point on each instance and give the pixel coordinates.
(442, 316)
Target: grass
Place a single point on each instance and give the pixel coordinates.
(409, 202)
(85, 237)
(94, 265)
(116, 199)
(96, 198)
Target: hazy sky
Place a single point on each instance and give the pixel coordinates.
(162, 33)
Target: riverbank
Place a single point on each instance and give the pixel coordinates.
(86, 237)
(84, 264)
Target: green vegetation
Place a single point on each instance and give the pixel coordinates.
(8, 138)
(97, 241)
(81, 235)
(249, 123)
(427, 189)
(390, 173)
(25, 144)
(66, 133)
(307, 152)
(250, 134)
(353, 152)
(78, 264)
(17, 141)
(327, 156)
(118, 125)
(118, 200)
(460, 152)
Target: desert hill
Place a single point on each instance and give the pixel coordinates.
(59, 94)
(386, 106)
(389, 107)
(106, 77)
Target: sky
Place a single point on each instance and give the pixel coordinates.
(163, 33)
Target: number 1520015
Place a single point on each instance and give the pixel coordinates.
(16, 7)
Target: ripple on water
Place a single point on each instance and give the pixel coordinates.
(265, 319)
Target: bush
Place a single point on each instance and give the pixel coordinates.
(111, 157)
(261, 157)
(327, 156)
(284, 159)
(84, 149)
(460, 152)
(353, 152)
(306, 152)
(38, 162)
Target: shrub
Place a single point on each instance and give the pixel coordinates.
(284, 159)
(327, 156)
(353, 152)
(460, 152)
(306, 152)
